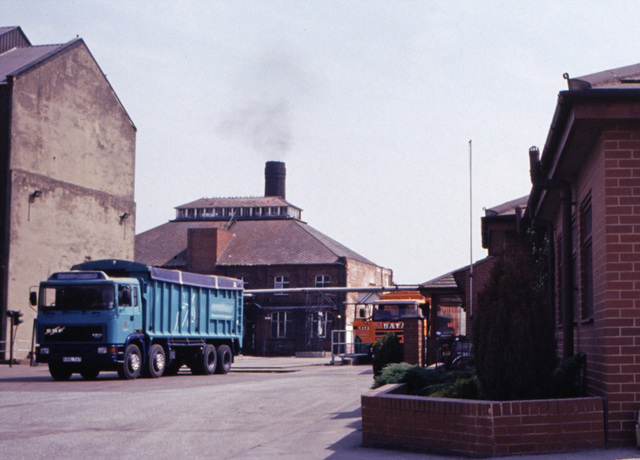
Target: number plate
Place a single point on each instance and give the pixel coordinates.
(71, 359)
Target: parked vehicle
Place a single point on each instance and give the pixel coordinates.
(135, 319)
(387, 315)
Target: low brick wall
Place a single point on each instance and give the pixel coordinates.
(480, 428)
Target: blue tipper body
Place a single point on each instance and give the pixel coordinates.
(178, 310)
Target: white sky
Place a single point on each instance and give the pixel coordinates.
(371, 104)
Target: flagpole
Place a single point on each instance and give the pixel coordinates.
(470, 231)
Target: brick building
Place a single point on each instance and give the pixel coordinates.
(453, 298)
(263, 241)
(500, 228)
(67, 157)
(586, 189)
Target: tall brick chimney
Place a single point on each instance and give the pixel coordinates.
(275, 174)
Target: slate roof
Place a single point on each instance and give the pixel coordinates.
(508, 208)
(255, 242)
(446, 281)
(17, 60)
(619, 78)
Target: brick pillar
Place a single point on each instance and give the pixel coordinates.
(414, 333)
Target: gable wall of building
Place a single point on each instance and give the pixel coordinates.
(73, 143)
(68, 125)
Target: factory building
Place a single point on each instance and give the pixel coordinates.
(264, 242)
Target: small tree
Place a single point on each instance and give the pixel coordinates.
(513, 335)
(386, 351)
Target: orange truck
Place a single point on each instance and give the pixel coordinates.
(387, 315)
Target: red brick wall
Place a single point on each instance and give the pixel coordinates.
(610, 174)
(620, 304)
(486, 428)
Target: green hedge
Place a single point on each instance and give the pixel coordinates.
(386, 351)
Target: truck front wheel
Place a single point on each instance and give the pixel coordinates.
(157, 362)
(131, 366)
(60, 371)
(225, 357)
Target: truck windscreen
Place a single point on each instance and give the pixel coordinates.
(85, 297)
(392, 312)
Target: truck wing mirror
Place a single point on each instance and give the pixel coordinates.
(33, 298)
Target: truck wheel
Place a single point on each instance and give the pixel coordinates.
(90, 373)
(156, 363)
(225, 357)
(205, 361)
(131, 366)
(60, 371)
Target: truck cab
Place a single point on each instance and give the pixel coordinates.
(386, 315)
(83, 319)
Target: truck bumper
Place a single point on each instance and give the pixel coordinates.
(101, 356)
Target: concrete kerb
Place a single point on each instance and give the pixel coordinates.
(275, 364)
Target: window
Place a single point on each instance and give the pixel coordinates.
(323, 281)
(125, 297)
(281, 282)
(320, 324)
(586, 252)
(280, 325)
(84, 297)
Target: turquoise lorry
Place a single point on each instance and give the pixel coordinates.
(108, 315)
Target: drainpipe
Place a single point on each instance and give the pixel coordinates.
(566, 203)
(567, 270)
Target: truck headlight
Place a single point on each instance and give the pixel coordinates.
(102, 350)
(44, 351)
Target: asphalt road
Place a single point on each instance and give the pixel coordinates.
(291, 408)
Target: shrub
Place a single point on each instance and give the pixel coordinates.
(566, 380)
(393, 373)
(513, 335)
(430, 382)
(462, 387)
(386, 351)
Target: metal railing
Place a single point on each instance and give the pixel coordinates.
(342, 344)
(20, 347)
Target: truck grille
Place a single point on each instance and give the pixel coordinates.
(55, 334)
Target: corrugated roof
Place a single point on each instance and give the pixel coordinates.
(12, 37)
(237, 202)
(255, 242)
(17, 59)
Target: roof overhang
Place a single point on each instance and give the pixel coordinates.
(577, 123)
